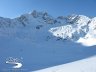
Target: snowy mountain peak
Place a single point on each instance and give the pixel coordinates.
(72, 27)
(78, 19)
(36, 14)
(76, 27)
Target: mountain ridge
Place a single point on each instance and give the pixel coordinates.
(72, 27)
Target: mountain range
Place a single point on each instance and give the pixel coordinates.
(44, 41)
(77, 28)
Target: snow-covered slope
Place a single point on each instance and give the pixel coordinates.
(85, 65)
(78, 28)
(44, 41)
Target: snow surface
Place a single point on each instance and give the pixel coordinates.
(84, 65)
(44, 41)
(87, 42)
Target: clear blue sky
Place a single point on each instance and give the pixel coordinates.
(14, 8)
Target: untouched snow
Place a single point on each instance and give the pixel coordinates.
(84, 65)
(89, 39)
(40, 54)
(87, 42)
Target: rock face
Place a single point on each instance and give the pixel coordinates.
(41, 25)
